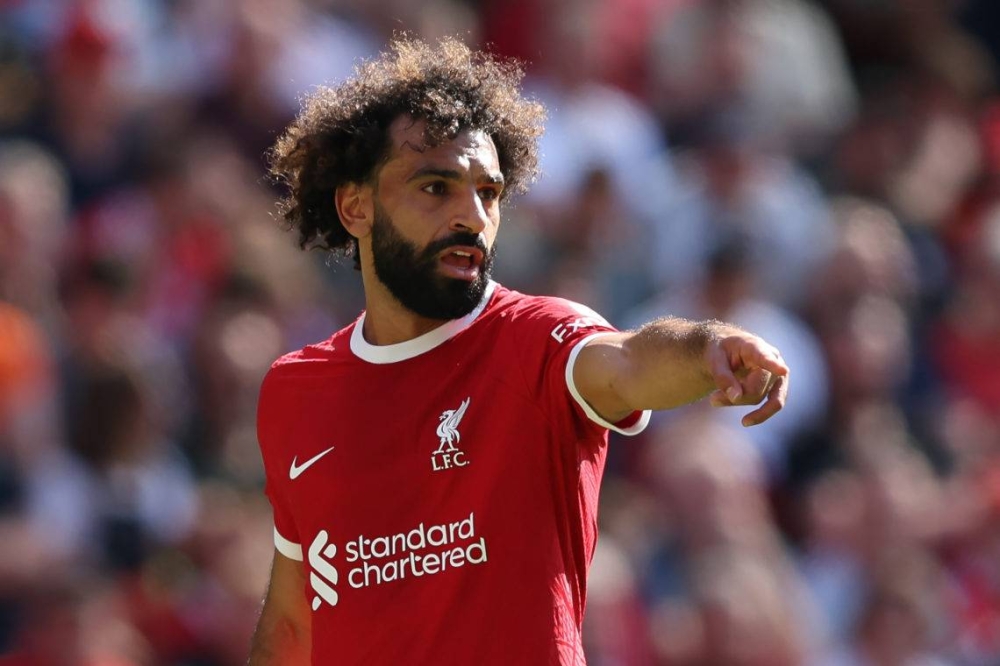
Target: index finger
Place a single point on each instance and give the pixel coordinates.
(766, 357)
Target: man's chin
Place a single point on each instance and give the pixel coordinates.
(457, 297)
(443, 298)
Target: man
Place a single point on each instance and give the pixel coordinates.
(434, 467)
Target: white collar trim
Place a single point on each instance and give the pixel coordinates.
(402, 351)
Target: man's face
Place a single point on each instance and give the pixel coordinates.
(436, 218)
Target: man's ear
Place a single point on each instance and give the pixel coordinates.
(356, 208)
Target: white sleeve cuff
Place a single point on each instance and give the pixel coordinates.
(289, 549)
(634, 429)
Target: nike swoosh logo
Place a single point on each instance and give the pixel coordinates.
(296, 470)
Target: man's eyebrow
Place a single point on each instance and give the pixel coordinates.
(451, 174)
(424, 172)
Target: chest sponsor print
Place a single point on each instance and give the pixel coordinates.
(364, 561)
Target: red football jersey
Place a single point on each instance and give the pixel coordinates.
(442, 492)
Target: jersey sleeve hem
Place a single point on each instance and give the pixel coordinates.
(289, 549)
(633, 427)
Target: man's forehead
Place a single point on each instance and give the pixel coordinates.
(409, 144)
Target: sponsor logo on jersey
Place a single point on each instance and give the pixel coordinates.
(587, 319)
(448, 455)
(425, 550)
(295, 470)
(324, 575)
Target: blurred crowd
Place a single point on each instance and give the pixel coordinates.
(825, 174)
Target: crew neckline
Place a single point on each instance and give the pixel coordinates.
(401, 351)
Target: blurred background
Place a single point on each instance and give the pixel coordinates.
(826, 174)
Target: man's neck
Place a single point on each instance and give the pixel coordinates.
(389, 322)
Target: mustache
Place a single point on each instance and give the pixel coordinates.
(459, 238)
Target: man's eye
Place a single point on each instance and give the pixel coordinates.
(489, 194)
(437, 187)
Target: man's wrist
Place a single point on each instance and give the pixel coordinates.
(710, 335)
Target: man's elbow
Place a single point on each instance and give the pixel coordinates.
(280, 640)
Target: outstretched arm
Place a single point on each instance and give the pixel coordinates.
(283, 634)
(672, 362)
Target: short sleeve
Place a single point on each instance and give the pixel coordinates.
(550, 334)
(633, 424)
(269, 429)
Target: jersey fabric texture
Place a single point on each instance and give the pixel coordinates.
(441, 492)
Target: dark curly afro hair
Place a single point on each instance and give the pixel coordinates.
(342, 134)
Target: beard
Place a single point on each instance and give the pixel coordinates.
(411, 274)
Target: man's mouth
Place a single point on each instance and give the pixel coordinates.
(461, 263)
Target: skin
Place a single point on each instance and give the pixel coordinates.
(433, 192)
(284, 630)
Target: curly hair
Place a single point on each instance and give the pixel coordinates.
(342, 134)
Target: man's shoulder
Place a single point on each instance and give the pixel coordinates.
(314, 358)
(527, 307)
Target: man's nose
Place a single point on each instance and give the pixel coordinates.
(470, 214)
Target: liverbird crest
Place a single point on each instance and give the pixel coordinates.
(447, 430)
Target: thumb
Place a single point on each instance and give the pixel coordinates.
(722, 374)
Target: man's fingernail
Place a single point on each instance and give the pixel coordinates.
(733, 393)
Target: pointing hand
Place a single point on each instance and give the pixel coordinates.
(746, 371)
